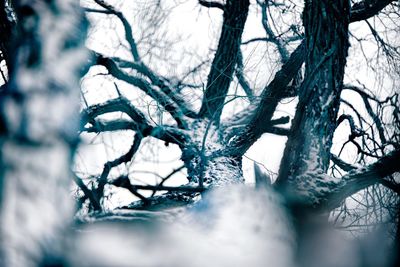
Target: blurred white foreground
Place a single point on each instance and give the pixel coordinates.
(233, 226)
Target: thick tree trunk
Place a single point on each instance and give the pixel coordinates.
(40, 109)
(206, 159)
(308, 148)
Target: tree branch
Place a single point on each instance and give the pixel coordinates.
(242, 79)
(100, 126)
(103, 179)
(138, 64)
(100, 11)
(367, 9)
(360, 178)
(158, 81)
(127, 27)
(120, 104)
(139, 124)
(285, 75)
(88, 193)
(146, 87)
(225, 59)
(124, 182)
(259, 115)
(342, 164)
(283, 52)
(365, 97)
(211, 4)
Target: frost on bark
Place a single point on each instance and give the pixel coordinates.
(40, 111)
(307, 152)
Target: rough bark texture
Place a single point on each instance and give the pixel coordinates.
(205, 160)
(257, 118)
(308, 147)
(40, 106)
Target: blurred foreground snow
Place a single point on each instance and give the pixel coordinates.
(232, 226)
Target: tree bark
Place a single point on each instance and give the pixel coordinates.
(307, 150)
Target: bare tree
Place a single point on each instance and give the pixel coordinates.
(312, 61)
(212, 147)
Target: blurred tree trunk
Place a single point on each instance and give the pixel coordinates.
(39, 111)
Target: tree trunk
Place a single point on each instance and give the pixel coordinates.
(40, 109)
(308, 147)
(206, 158)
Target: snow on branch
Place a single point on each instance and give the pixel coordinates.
(257, 118)
(360, 178)
(366, 9)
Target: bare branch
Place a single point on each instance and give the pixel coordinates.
(127, 27)
(367, 8)
(361, 178)
(120, 104)
(124, 181)
(88, 193)
(111, 126)
(103, 179)
(158, 81)
(261, 116)
(391, 185)
(278, 131)
(257, 39)
(242, 79)
(211, 4)
(146, 87)
(100, 11)
(170, 199)
(283, 52)
(225, 59)
(365, 97)
(342, 164)
(139, 122)
(139, 66)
